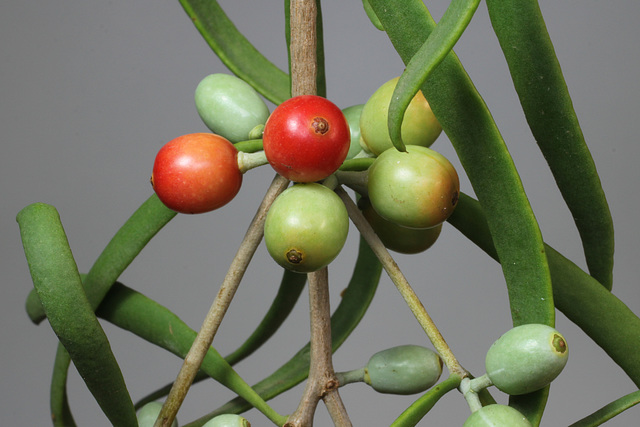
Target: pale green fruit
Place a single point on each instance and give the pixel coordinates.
(419, 126)
(227, 420)
(148, 414)
(405, 369)
(497, 416)
(526, 358)
(306, 227)
(229, 106)
(352, 114)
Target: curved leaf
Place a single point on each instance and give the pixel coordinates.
(439, 43)
(235, 51)
(414, 413)
(125, 245)
(544, 96)
(59, 287)
(483, 154)
(609, 411)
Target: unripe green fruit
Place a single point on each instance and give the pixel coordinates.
(419, 125)
(396, 237)
(306, 227)
(497, 416)
(227, 420)
(352, 114)
(229, 106)
(526, 358)
(418, 188)
(148, 414)
(406, 369)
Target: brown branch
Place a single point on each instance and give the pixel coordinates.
(322, 382)
(304, 68)
(219, 307)
(402, 284)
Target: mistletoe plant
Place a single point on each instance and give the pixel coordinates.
(405, 191)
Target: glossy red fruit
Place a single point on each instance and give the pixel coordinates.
(196, 173)
(306, 138)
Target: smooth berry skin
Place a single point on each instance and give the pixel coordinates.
(306, 138)
(526, 358)
(405, 369)
(306, 227)
(227, 420)
(196, 173)
(418, 188)
(419, 125)
(497, 416)
(397, 238)
(229, 106)
(148, 414)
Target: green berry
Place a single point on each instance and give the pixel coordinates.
(406, 369)
(227, 420)
(352, 114)
(418, 188)
(497, 416)
(229, 106)
(526, 358)
(419, 126)
(148, 414)
(306, 227)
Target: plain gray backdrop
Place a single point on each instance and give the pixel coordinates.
(90, 90)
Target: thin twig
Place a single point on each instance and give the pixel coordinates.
(322, 382)
(219, 307)
(402, 284)
(304, 68)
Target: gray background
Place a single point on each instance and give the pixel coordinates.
(92, 89)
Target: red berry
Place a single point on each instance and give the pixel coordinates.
(306, 138)
(196, 173)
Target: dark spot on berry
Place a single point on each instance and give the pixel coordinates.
(320, 125)
(294, 257)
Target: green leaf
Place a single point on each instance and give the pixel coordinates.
(437, 46)
(132, 311)
(59, 287)
(468, 123)
(544, 96)
(414, 413)
(125, 245)
(355, 302)
(599, 313)
(235, 51)
(609, 411)
(59, 403)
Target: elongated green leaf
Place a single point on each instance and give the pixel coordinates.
(599, 313)
(355, 302)
(437, 46)
(125, 245)
(235, 51)
(321, 81)
(153, 322)
(538, 80)
(609, 411)
(57, 281)
(414, 413)
(59, 403)
(468, 123)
